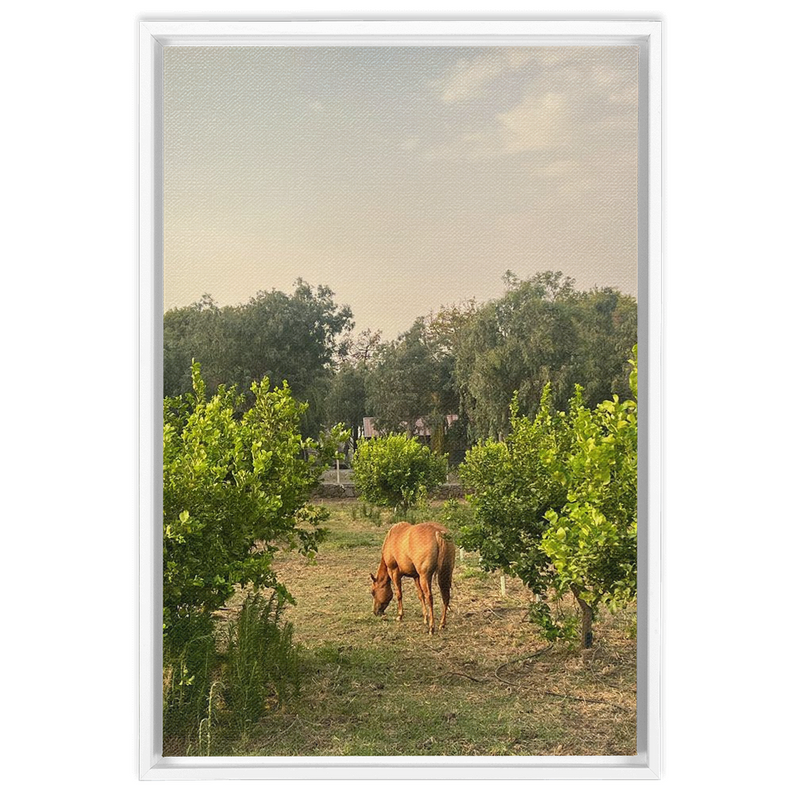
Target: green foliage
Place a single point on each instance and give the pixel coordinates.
(552, 627)
(261, 663)
(511, 487)
(457, 517)
(346, 399)
(555, 502)
(209, 725)
(420, 512)
(331, 442)
(346, 403)
(591, 540)
(542, 331)
(284, 337)
(411, 379)
(367, 511)
(236, 486)
(232, 481)
(396, 471)
(466, 359)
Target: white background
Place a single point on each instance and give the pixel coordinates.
(69, 437)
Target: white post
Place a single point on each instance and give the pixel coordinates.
(337, 469)
(461, 554)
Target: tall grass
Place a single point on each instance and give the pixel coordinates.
(210, 693)
(261, 664)
(188, 666)
(209, 724)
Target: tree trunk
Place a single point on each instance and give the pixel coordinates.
(587, 615)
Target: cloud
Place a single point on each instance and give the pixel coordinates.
(409, 144)
(469, 79)
(539, 122)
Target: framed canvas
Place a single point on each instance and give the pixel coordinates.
(456, 209)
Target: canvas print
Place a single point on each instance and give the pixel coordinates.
(400, 401)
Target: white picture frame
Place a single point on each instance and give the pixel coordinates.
(154, 37)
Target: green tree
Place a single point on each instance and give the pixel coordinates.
(511, 488)
(541, 331)
(199, 332)
(555, 502)
(396, 471)
(236, 488)
(346, 402)
(411, 380)
(284, 337)
(591, 540)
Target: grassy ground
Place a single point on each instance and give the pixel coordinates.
(486, 685)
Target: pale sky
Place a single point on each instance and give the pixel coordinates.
(403, 178)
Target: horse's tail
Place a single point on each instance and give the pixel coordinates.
(445, 564)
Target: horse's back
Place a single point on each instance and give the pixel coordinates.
(418, 549)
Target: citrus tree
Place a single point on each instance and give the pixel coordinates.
(511, 488)
(396, 471)
(591, 540)
(556, 503)
(236, 488)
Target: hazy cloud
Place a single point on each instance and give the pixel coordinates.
(469, 78)
(418, 174)
(537, 123)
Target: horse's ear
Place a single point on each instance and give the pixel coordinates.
(373, 577)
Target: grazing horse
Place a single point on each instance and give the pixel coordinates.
(418, 552)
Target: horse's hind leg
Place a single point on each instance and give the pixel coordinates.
(427, 591)
(421, 599)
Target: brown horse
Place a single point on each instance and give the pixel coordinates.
(418, 552)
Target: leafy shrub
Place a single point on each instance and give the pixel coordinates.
(366, 511)
(591, 541)
(396, 471)
(457, 517)
(511, 487)
(236, 486)
(231, 481)
(552, 627)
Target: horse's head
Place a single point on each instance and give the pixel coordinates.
(381, 594)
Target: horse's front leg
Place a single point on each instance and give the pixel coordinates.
(397, 580)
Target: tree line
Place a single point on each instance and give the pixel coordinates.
(467, 360)
(544, 388)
